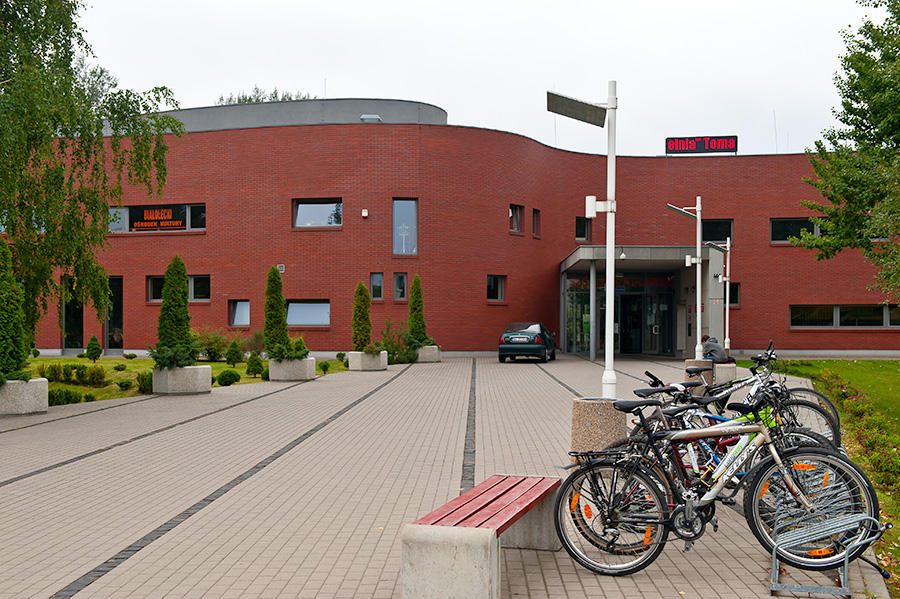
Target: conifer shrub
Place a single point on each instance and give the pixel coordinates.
(81, 374)
(120, 367)
(88, 397)
(292, 350)
(125, 384)
(275, 332)
(129, 356)
(228, 377)
(324, 366)
(93, 350)
(361, 325)
(96, 376)
(234, 355)
(35, 352)
(265, 374)
(254, 365)
(67, 371)
(13, 345)
(145, 382)
(55, 373)
(175, 346)
(340, 356)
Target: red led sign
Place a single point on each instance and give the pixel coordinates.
(706, 144)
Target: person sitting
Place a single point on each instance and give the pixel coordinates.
(712, 350)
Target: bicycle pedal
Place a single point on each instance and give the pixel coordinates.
(728, 501)
(688, 545)
(715, 524)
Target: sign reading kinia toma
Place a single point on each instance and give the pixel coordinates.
(701, 145)
(157, 218)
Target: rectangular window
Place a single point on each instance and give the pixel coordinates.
(536, 222)
(862, 316)
(783, 228)
(515, 217)
(399, 285)
(310, 313)
(118, 220)
(376, 285)
(717, 230)
(582, 228)
(496, 288)
(406, 230)
(812, 316)
(324, 212)
(734, 298)
(894, 316)
(197, 216)
(198, 288)
(239, 313)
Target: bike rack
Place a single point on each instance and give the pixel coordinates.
(813, 532)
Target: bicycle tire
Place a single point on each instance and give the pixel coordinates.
(814, 396)
(618, 530)
(833, 484)
(798, 413)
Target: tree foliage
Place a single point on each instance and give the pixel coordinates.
(93, 349)
(174, 324)
(258, 94)
(13, 347)
(361, 324)
(417, 332)
(275, 331)
(234, 354)
(857, 166)
(71, 141)
(254, 365)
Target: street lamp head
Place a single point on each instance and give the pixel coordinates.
(681, 211)
(594, 114)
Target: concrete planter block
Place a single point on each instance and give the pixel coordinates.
(595, 424)
(182, 381)
(360, 360)
(23, 397)
(429, 353)
(449, 561)
(293, 370)
(724, 372)
(704, 377)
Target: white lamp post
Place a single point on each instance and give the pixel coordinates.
(595, 114)
(726, 279)
(688, 260)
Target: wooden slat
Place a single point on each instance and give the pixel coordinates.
(508, 516)
(476, 519)
(468, 501)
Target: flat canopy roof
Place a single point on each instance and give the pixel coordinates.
(637, 257)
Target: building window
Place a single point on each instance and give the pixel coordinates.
(118, 220)
(515, 217)
(399, 285)
(784, 228)
(239, 313)
(734, 294)
(310, 313)
(406, 230)
(894, 316)
(197, 216)
(376, 285)
(198, 288)
(327, 212)
(582, 228)
(861, 316)
(536, 222)
(168, 217)
(496, 288)
(718, 230)
(812, 316)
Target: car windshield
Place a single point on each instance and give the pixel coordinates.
(523, 327)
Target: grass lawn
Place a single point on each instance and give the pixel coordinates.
(132, 367)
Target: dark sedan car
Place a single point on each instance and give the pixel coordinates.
(527, 339)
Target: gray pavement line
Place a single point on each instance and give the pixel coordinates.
(83, 581)
(89, 454)
(468, 469)
(631, 376)
(119, 405)
(568, 388)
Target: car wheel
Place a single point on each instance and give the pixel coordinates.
(553, 354)
(545, 356)
(502, 359)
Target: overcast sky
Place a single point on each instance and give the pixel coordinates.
(693, 67)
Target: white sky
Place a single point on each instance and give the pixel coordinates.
(688, 67)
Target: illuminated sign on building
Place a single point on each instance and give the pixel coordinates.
(157, 218)
(705, 144)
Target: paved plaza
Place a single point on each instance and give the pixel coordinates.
(299, 490)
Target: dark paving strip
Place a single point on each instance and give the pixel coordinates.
(90, 577)
(468, 469)
(129, 403)
(568, 388)
(84, 456)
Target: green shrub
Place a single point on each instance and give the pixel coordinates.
(125, 384)
(234, 355)
(254, 365)
(373, 349)
(87, 397)
(145, 382)
(13, 345)
(289, 351)
(397, 344)
(346, 363)
(81, 374)
(228, 377)
(35, 352)
(174, 357)
(361, 325)
(417, 335)
(324, 366)
(93, 350)
(67, 371)
(129, 356)
(340, 356)
(61, 397)
(264, 375)
(119, 367)
(213, 344)
(255, 342)
(275, 332)
(42, 370)
(81, 355)
(174, 324)
(96, 376)
(55, 373)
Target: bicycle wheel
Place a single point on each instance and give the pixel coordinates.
(611, 518)
(799, 414)
(835, 487)
(814, 396)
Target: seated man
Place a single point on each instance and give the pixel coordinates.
(714, 351)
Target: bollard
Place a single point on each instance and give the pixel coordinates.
(595, 424)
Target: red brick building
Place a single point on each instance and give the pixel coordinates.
(342, 191)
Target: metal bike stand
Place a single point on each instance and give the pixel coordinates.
(813, 532)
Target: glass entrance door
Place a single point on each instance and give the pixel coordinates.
(114, 335)
(658, 330)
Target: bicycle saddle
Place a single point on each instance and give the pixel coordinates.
(651, 390)
(630, 405)
(697, 369)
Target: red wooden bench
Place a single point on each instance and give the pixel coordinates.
(455, 550)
